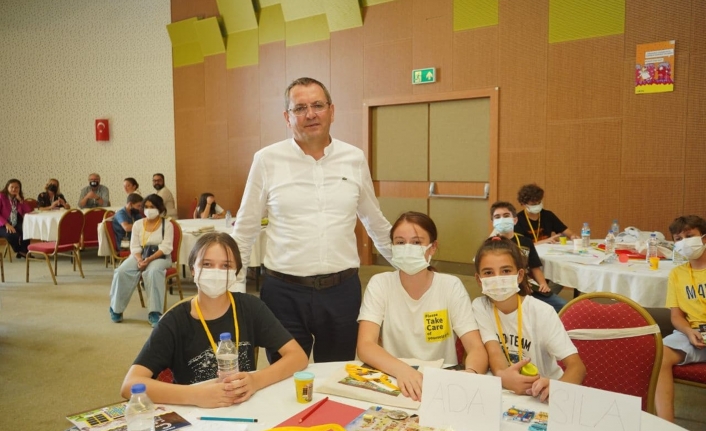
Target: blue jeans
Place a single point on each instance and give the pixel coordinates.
(325, 320)
(126, 276)
(555, 301)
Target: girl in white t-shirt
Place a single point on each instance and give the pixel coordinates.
(208, 208)
(424, 312)
(508, 317)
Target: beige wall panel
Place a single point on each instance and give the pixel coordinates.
(243, 93)
(698, 28)
(310, 59)
(388, 69)
(520, 167)
(462, 226)
(388, 22)
(583, 174)
(654, 126)
(475, 58)
(189, 89)
(215, 85)
(585, 79)
(655, 21)
(399, 142)
(433, 43)
(654, 204)
(459, 148)
(695, 154)
(183, 9)
(347, 83)
(273, 82)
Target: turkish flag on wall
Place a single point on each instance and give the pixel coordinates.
(102, 130)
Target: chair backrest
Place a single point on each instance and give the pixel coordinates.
(628, 365)
(177, 242)
(108, 213)
(192, 208)
(90, 226)
(70, 227)
(110, 233)
(32, 203)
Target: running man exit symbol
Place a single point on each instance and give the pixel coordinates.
(424, 76)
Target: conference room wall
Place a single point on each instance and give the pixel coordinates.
(569, 118)
(66, 64)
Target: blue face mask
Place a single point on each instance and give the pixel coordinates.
(504, 225)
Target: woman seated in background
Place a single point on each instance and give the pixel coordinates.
(399, 304)
(508, 312)
(185, 339)
(12, 210)
(151, 246)
(208, 208)
(51, 198)
(130, 186)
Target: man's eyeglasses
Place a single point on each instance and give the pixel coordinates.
(300, 110)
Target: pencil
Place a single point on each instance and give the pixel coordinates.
(212, 418)
(313, 409)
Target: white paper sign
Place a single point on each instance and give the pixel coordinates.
(463, 401)
(579, 408)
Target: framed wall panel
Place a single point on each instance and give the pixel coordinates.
(399, 143)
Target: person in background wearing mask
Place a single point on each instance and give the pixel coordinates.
(185, 339)
(540, 225)
(504, 217)
(94, 194)
(524, 337)
(686, 298)
(151, 246)
(126, 216)
(51, 198)
(401, 305)
(165, 194)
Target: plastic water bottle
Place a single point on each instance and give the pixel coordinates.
(615, 227)
(652, 247)
(228, 219)
(139, 413)
(585, 236)
(610, 247)
(227, 356)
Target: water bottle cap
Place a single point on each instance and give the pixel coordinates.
(585, 223)
(610, 231)
(653, 234)
(138, 388)
(225, 336)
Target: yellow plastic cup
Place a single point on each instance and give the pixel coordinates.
(654, 263)
(304, 384)
(529, 370)
(562, 240)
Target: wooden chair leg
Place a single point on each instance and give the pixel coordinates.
(8, 252)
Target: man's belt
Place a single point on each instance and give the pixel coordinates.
(318, 282)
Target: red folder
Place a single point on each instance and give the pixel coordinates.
(330, 412)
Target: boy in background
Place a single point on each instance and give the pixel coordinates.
(536, 223)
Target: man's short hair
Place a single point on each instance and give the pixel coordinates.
(687, 222)
(134, 198)
(530, 193)
(305, 82)
(158, 175)
(95, 174)
(503, 204)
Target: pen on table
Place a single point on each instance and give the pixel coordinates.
(212, 418)
(313, 409)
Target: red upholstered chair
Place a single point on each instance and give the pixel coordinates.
(89, 239)
(116, 254)
(192, 208)
(172, 275)
(625, 364)
(32, 203)
(66, 244)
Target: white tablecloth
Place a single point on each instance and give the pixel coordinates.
(633, 279)
(276, 403)
(188, 228)
(44, 225)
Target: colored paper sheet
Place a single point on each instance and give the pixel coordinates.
(184, 55)
(312, 29)
(243, 49)
(343, 14)
(182, 32)
(330, 412)
(209, 35)
(271, 24)
(654, 68)
(475, 13)
(298, 9)
(581, 19)
(238, 15)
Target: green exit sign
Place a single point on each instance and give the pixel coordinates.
(424, 76)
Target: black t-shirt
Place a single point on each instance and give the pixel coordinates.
(547, 225)
(179, 341)
(527, 247)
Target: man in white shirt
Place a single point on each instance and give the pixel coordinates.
(311, 187)
(165, 194)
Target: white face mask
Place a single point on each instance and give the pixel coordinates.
(214, 282)
(535, 209)
(409, 258)
(500, 287)
(151, 213)
(690, 248)
(504, 225)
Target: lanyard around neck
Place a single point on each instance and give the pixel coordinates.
(205, 327)
(539, 221)
(517, 239)
(146, 237)
(519, 330)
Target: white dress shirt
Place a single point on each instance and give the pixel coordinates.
(169, 203)
(311, 206)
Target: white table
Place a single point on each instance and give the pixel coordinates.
(44, 225)
(633, 279)
(276, 403)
